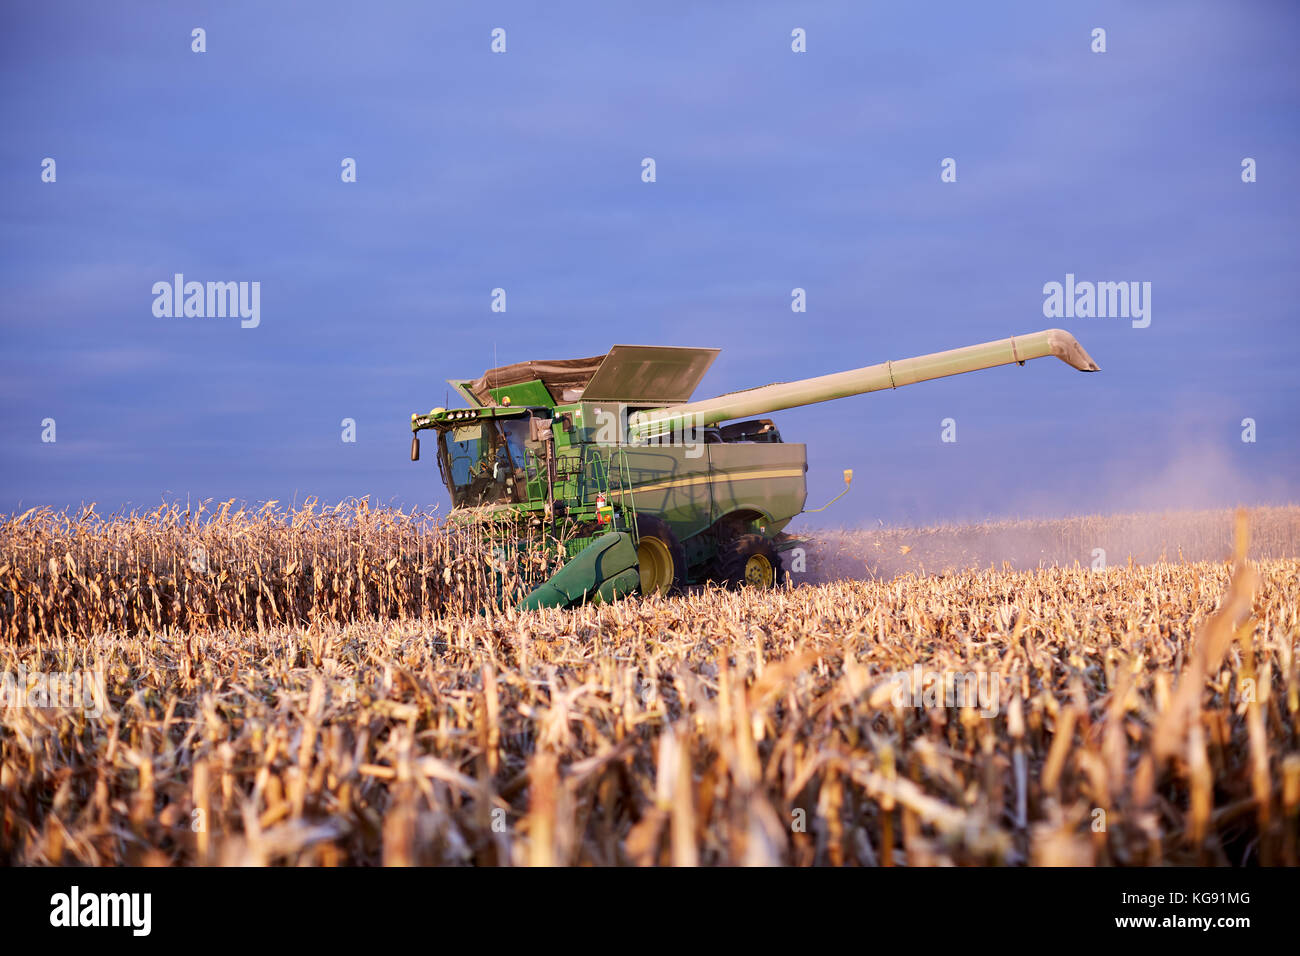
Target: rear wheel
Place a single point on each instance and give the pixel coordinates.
(660, 556)
(748, 560)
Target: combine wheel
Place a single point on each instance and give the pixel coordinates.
(660, 556)
(748, 560)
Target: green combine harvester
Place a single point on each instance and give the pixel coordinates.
(630, 485)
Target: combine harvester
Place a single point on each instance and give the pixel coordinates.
(632, 486)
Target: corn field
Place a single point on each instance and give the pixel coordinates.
(1135, 715)
(186, 570)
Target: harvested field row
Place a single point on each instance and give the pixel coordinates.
(1110, 717)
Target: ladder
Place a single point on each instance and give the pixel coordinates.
(611, 474)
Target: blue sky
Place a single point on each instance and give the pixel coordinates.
(775, 170)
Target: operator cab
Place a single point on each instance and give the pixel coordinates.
(484, 462)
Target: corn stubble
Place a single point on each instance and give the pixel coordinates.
(1145, 714)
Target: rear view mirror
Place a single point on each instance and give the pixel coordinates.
(415, 448)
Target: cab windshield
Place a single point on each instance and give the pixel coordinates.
(484, 463)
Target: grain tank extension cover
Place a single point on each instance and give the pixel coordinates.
(649, 374)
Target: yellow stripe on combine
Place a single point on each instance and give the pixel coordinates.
(713, 477)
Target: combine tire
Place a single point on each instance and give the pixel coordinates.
(749, 560)
(660, 556)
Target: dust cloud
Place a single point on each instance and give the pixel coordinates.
(1091, 542)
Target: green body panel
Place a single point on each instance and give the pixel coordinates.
(692, 488)
(691, 483)
(672, 484)
(768, 481)
(522, 395)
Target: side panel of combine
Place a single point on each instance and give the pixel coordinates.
(672, 482)
(768, 479)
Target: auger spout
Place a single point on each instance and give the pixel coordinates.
(1017, 349)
